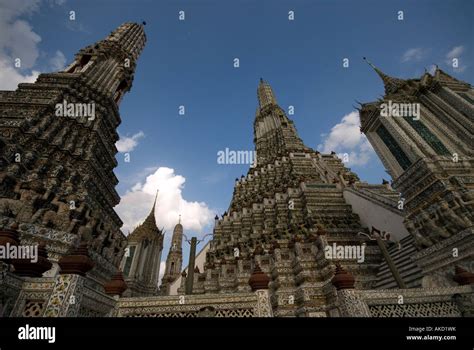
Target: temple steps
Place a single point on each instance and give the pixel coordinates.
(330, 211)
(409, 271)
(399, 260)
(329, 205)
(322, 191)
(324, 201)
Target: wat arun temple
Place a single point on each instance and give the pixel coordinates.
(303, 236)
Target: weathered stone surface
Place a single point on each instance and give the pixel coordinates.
(56, 169)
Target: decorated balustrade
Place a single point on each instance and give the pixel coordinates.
(417, 302)
(253, 304)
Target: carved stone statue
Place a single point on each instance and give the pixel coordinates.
(59, 218)
(433, 231)
(98, 242)
(27, 199)
(419, 239)
(13, 171)
(120, 253)
(454, 223)
(85, 231)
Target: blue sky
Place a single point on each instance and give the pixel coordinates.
(190, 63)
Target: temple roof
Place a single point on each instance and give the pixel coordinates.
(443, 77)
(147, 229)
(391, 84)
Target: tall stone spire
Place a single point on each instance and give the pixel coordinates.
(265, 94)
(174, 261)
(177, 239)
(109, 64)
(292, 198)
(391, 84)
(274, 133)
(64, 129)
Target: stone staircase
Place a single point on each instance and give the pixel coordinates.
(409, 271)
(328, 206)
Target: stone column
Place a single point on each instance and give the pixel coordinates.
(12, 293)
(116, 286)
(350, 303)
(192, 257)
(66, 297)
(182, 287)
(10, 285)
(464, 302)
(263, 307)
(10, 290)
(259, 283)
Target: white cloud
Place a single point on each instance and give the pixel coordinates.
(136, 204)
(20, 42)
(15, 8)
(58, 61)
(10, 77)
(57, 2)
(414, 54)
(17, 40)
(345, 137)
(455, 53)
(128, 144)
(77, 26)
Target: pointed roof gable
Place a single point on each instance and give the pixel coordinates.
(445, 79)
(148, 228)
(391, 84)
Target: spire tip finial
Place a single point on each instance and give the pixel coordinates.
(391, 84)
(154, 202)
(369, 63)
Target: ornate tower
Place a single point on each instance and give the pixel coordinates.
(141, 262)
(57, 151)
(282, 215)
(174, 261)
(426, 144)
(274, 133)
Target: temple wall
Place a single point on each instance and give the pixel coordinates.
(232, 305)
(64, 295)
(374, 215)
